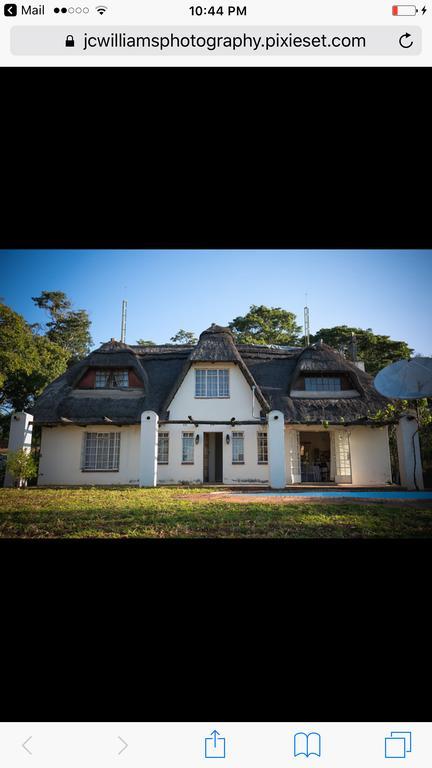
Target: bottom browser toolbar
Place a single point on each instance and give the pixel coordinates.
(237, 744)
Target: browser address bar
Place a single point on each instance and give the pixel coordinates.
(106, 40)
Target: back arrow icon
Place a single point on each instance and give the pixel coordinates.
(24, 745)
(403, 40)
(125, 745)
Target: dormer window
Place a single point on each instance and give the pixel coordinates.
(322, 384)
(110, 379)
(212, 382)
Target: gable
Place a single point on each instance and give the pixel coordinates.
(238, 405)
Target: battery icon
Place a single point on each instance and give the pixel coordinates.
(404, 10)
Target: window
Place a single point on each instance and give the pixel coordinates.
(237, 448)
(163, 444)
(102, 378)
(212, 382)
(112, 379)
(101, 451)
(323, 384)
(262, 448)
(188, 447)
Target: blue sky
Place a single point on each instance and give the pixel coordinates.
(388, 291)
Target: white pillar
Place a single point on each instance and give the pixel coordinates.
(409, 453)
(276, 449)
(20, 436)
(148, 449)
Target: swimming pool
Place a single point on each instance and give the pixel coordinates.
(414, 495)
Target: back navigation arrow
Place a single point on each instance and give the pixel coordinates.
(24, 745)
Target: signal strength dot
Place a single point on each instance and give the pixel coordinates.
(101, 9)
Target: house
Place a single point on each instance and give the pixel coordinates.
(215, 412)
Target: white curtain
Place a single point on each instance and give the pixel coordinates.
(293, 456)
(342, 456)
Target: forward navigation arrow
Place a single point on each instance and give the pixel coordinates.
(24, 745)
(125, 745)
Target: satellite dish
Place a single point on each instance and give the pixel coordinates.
(406, 379)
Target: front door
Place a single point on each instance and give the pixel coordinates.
(213, 469)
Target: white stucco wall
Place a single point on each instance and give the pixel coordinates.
(176, 472)
(60, 457)
(60, 461)
(237, 405)
(370, 455)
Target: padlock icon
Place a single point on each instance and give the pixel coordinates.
(69, 42)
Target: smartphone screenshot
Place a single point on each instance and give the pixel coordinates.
(186, 33)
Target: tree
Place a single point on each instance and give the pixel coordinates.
(375, 350)
(68, 328)
(266, 325)
(144, 343)
(56, 303)
(184, 337)
(28, 362)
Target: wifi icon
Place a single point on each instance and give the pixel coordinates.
(101, 9)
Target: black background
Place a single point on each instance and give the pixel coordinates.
(324, 630)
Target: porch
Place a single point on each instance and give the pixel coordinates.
(298, 455)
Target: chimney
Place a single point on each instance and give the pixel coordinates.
(352, 349)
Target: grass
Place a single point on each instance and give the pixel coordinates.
(181, 513)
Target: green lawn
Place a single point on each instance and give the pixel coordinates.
(180, 513)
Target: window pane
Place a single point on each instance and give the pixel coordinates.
(101, 378)
(237, 448)
(262, 448)
(323, 384)
(223, 383)
(102, 451)
(163, 444)
(187, 447)
(212, 383)
(200, 383)
(120, 379)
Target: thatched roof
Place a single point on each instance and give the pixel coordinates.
(271, 370)
(278, 372)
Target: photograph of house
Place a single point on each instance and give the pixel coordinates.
(214, 412)
(115, 421)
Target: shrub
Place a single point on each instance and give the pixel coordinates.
(22, 466)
